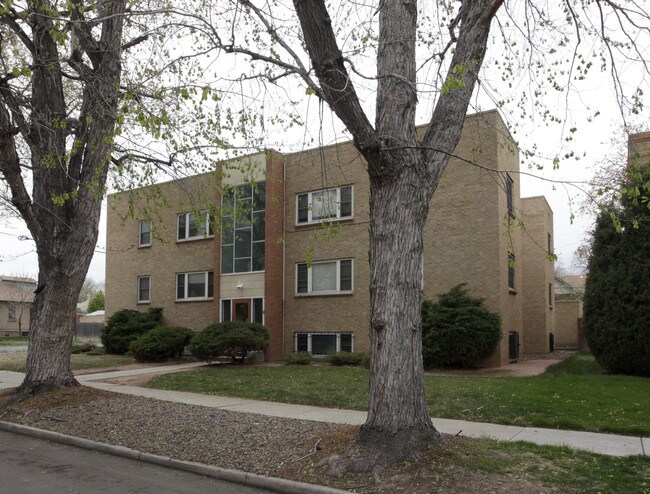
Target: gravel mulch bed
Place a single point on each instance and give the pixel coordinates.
(264, 445)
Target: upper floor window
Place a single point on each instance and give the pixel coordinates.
(243, 228)
(324, 277)
(511, 272)
(510, 196)
(144, 234)
(322, 205)
(144, 289)
(193, 226)
(550, 244)
(550, 295)
(198, 285)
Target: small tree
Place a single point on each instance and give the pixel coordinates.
(617, 293)
(232, 339)
(96, 302)
(458, 330)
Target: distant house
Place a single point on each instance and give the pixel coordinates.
(569, 291)
(16, 298)
(265, 262)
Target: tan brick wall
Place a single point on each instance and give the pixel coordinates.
(166, 256)
(567, 313)
(466, 237)
(312, 170)
(538, 271)
(639, 148)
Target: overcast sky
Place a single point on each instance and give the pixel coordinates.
(591, 142)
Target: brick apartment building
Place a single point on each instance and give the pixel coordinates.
(291, 250)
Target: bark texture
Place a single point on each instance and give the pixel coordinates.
(404, 174)
(68, 147)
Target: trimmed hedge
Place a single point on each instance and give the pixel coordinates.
(161, 343)
(348, 358)
(298, 358)
(232, 339)
(127, 325)
(458, 331)
(82, 347)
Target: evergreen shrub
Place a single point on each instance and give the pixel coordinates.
(457, 331)
(232, 339)
(161, 343)
(125, 326)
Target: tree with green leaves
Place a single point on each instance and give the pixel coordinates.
(617, 293)
(96, 302)
(82, 94)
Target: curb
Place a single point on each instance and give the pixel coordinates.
(275, 484)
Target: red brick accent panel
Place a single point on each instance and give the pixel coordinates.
(273, 254)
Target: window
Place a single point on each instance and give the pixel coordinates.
(510, 196)
(192, 226)
(144, 233)
(550, 244)
(239, 307)
(511, 272)
(322, 205)
(195, 285)
(243, 229)
(550, 295)
(11, 315)
(144, 289)
(324, 343)
(324, 277)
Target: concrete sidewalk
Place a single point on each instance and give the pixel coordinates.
(607, 444)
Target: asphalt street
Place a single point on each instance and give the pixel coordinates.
(35, 466)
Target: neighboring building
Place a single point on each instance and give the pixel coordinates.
(538, 291)
(569, 291)
(16, 298)
(295, 256)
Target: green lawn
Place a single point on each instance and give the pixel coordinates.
(16, 362)
(574, 395)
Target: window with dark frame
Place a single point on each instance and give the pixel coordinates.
(197, 285)
(550, 244)
(144, 236)
(323, 343)
(144, 289)
(194, 226)
(324, 277)
(510, 196)
(324, 205)
(511, 272)
(550, 295)
(243, 228)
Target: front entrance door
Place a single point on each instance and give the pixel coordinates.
(241, 310)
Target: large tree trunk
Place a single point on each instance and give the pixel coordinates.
(70, 150)
(398, 424)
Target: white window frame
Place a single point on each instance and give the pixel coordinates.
(139, 289)
(310, 201)
(209, 230)
(186, 286)
(140, 243)
(338, 290)
(309, 341)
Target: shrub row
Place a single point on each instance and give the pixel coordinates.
(142, 334)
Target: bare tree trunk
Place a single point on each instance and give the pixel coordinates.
(69, 164)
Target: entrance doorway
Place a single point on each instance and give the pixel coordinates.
(241, 309)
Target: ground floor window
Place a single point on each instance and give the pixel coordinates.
(242, 309)
(324, 343)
